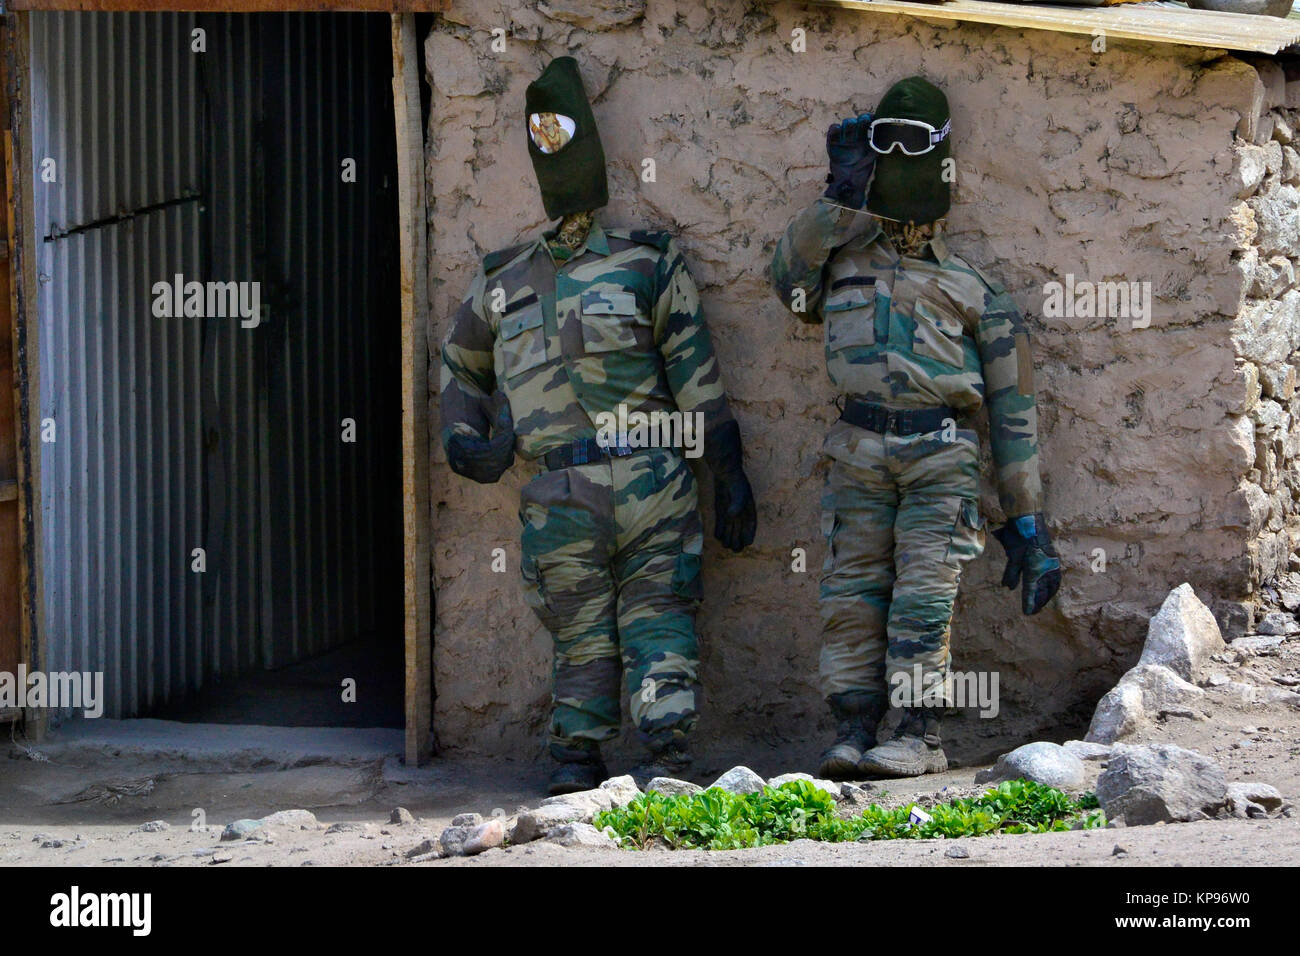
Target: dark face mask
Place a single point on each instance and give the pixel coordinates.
(563, 143)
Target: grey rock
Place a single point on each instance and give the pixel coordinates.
(425, 849)
(452, 839)
(344, 827)
(241, 830)
(1256, 646)
(485, 836)
(1144, 693)
(1163, 691)
(533, 824)
(581, 835)
(615, 792)
(1119, 713)
(739, 780)
(466, 820)
(292, 819)
(622, 790)
(1258, 793)
(401, 816)
(855, 793)
(957, 853)
(1277, 622)
(1042, 762)
(832, 788)
(1183, 635)
(1161, 783)
(672, 787)
(1088, 750)
(153, 826)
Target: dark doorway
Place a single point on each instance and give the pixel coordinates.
(223, 525)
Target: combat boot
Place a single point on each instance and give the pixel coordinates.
(581, 768)
(857, 717)
(915, 748)
(674, 761)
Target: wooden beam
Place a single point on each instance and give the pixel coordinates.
(1155, 22)
(416, 519)
(240, 6)
(15, 73)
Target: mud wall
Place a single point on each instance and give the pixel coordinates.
(1114, 165)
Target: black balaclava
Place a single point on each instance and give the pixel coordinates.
(572, 177)
(912, 188)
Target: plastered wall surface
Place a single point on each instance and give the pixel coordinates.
(1108, 166)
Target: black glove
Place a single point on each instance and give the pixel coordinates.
(485, 459)
(1031, 561)
(733, 499)
(852, 161)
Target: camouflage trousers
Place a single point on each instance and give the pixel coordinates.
(901, 517)
(611, 565)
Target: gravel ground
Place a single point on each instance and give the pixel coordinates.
(84, 806)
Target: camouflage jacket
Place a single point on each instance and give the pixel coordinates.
(617, 323)
(915, 332)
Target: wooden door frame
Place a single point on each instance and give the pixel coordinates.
(15, 72)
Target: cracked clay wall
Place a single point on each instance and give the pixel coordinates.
(1107, 166)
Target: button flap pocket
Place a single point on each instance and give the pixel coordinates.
(943, 319)
(595, 302)
(856, 295)
(939, 333)
(530, 317)
(970, 514)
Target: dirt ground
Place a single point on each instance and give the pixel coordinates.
(83, 803)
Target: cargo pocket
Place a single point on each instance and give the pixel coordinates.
(610, 319)
(830, 525)
(967, 538)
(850, 314)
(535, 589)
(521, 338)
(938, 333)
(687, 582)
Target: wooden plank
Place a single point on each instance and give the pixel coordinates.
(15, 44)
(11, 557)
(241, 6)
(1155, 22)
(416, 518)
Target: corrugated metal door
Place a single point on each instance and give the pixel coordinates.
(181, 433)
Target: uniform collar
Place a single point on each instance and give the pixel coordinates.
(937, 246)
(597, 242)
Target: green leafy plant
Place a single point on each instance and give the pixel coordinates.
(718, 820)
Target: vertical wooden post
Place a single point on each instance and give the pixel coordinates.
(15, 74)
(415, 392)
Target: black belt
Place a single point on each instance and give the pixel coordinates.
(900, 421)
(584, 451)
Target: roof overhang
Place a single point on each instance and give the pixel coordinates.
(1158, 22)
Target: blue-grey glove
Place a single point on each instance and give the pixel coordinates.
(1032, 561)
(485, 460)
(852, 161)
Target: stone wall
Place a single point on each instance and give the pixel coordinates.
(1267, 334)
(1114, 165)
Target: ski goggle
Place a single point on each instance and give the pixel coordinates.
(551, 132)
(913, 137)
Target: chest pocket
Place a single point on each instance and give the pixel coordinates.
(521, 337)
(610, 318)
(850, 313)
(938, 332)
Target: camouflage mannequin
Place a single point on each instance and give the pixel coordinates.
(916, 341)
(565, 329)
